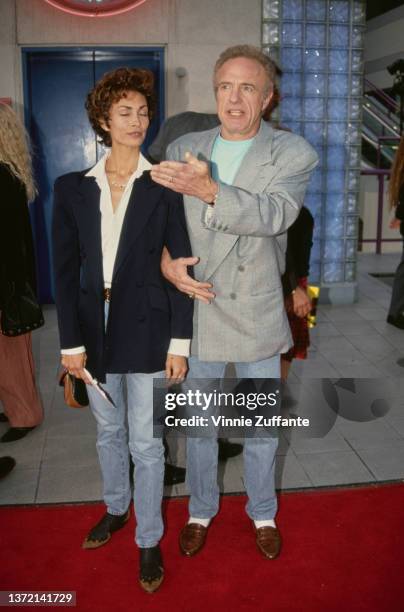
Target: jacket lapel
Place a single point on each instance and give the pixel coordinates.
(252, 170)
(248, 177)
(143, 199)
(195, 208)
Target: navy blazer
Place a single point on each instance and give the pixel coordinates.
(145, 311)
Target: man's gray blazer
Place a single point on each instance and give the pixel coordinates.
(241, 243)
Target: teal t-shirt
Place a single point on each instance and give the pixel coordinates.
(226, 159)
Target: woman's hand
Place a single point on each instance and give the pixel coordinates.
(75, 364)
(301, 303)
(176, 368)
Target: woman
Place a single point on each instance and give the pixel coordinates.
(118, 319)
(396, 197)
(18, 391)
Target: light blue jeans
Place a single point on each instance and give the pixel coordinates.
(259, 453)
(128, 427)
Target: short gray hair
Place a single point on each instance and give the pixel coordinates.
(249, 52)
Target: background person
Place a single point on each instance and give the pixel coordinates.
(396, 197)
(295, 279)
(116, 315)
(18, 391)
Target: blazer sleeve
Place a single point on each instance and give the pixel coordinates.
(178, 244)
(289, 278)
(66, 265)
(271, 212)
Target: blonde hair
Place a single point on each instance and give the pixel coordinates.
(15, 149)
(397, 175)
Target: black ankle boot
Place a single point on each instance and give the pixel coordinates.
(102, 532)
(151, 573)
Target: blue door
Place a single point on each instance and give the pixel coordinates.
(56, 82)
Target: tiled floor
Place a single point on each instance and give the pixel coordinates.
(58, 462)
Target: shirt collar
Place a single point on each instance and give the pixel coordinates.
(98, 171)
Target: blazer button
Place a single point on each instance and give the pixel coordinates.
(140, 284)
(233, 296)
(241, 268)
(141, 319)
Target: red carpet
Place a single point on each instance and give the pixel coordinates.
(343, 549)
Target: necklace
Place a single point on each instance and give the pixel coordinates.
(120, 186)
(116, 183)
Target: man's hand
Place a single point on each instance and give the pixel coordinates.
(189, 178)
(301, 303)
(395, 223)
(176, 368)
(75, 364)
(176, 272)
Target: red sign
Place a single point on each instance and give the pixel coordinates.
(95, 8)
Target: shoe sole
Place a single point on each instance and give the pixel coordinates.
(270, 558)
(91, 544)
(151, 587)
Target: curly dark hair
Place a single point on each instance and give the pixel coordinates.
(111, 88)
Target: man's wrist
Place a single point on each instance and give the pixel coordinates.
(212, 194)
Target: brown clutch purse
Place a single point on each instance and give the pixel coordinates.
(75, 391)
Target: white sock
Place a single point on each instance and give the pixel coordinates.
(267, 523)
(202, 521)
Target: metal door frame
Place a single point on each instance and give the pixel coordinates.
(26, 51)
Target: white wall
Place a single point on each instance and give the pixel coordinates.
(193, 32)
(8, 72)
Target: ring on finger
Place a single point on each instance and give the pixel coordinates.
(191, 296)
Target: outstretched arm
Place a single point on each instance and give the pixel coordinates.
(238, 211)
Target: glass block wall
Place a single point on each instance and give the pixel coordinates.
(319, 46)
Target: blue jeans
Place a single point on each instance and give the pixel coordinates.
(129, 428)
(259, 453)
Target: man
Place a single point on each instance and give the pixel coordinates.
(244, 184)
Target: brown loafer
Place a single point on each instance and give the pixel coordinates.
(192, 538)
(268, 541)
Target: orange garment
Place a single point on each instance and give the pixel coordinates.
(18, 391)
